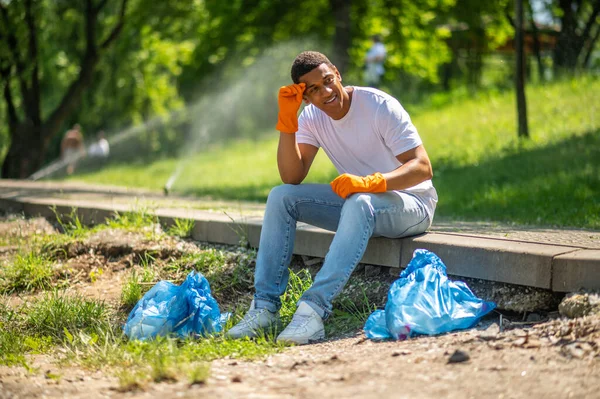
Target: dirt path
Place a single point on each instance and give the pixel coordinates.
(501, 367)
(559, 358)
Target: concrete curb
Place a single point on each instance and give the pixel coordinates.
(554, 267)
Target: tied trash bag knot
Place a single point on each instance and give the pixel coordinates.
(186, 310)
(424, 301)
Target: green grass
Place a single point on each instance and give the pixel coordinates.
(181, 228)
(76, 330)
(60, 316)
(482, 171)
(26, 272)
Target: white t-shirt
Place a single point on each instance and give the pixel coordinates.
(367, 139)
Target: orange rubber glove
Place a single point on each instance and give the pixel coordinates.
(347, 184)
(290, 99)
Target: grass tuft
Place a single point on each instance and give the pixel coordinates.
(182, 228)
(26, 273)
(59, 316)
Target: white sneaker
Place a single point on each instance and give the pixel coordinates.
(306, 326)
(255, 323)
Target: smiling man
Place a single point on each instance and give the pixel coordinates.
(384, 189)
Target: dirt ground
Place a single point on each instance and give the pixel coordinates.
(555, 357)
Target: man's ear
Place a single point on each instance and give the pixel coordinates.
(337, 73)
(305, 100)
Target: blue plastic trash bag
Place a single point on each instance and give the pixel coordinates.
(424, 301)
(182, 310)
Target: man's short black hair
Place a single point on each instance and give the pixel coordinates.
(305, 62)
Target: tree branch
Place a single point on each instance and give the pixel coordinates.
(509, 18)
(11, 40)
(591, 21)
(13, 119)
(34, 93)
(591, 45)
(88, 65)
(117, 28)
(100, 6)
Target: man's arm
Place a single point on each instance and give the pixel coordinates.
(415, 169)
(293, 159)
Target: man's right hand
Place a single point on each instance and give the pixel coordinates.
(290, 99)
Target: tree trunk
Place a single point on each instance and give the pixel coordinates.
(520, 71)
(537, 48)
(30, 138)
(342, 37)
(25, 154)
(570, 44)
(590, 48)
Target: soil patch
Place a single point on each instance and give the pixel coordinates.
(508, 355)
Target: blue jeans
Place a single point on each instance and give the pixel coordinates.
(355, 220)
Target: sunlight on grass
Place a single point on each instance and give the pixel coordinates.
(59, 315)
(26, 272)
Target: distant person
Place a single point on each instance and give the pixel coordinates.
(100, 148)
(72, 148)
(384, 189)
(374, 62)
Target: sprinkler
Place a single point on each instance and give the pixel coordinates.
(172, 178)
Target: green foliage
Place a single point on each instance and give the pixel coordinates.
(182, 227)
(12, 345)
(29, 272)
(207, 261)
(60, 316)
(71, 224)
(167, 359)
(297, 284)
(350, 312)
(133, 221)
(131, 292)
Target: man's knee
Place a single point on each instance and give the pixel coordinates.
(280, 195)
(359, 203)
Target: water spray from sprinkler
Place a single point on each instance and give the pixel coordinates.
(174, 176)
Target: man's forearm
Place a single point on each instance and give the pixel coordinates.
(289, 160)
(408, 175)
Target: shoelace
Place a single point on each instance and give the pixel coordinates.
(299, 321)
(252, 313)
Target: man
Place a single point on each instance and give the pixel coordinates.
(100, 148)
(374, 62)
(72, 148)
(384, 189)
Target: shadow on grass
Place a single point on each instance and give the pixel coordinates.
(557, 185)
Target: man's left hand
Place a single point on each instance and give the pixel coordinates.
(347, 184)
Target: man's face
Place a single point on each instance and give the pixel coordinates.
(325, 91)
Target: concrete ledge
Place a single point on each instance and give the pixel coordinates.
(560, 268)
(490, 259)
(576, 270)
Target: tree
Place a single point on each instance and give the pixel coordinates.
(342, 38)
(579, 19)
(30, 127)
(520, 70)
(537, 47)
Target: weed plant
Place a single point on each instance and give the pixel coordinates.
(57, 315)
(182, 228)
(26, 273)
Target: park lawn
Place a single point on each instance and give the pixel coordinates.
(481, 170)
